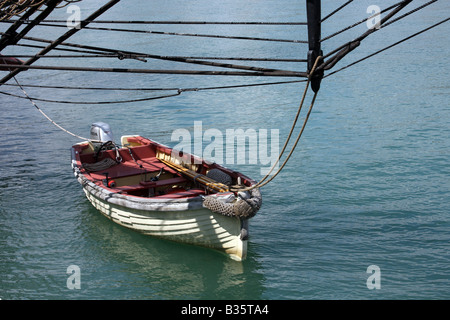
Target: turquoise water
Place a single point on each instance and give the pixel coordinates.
(367, 185)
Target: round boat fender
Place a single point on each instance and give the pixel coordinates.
(111, 183)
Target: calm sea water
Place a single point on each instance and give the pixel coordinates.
(368, 184)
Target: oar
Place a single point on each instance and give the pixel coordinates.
(197, 177)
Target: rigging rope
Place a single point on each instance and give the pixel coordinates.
(137, 55)
(10, 8)
(186, 22)
(60, 39)
(91, 102)
(188, 60)
(350, 46)
(345, 49)
(112, 55)
(358, 23)
(160, 89)
(376, 14)
(337, 10)
(200, 60)
(388, 47)
(260, 183)
(178, 33)
(280, 73)
(408, 13)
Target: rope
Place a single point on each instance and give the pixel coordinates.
(100, 165)
(178, 33)
(60, 39)
(337, 10)
(359, 22)
(92, 102)
(382, 26)
(388, 47)
(160, 71)
(188, 22)
(179, 91)
(262, 182)
(112, 55)
(158, 89)
(46, 116)
(10, 8)
(408, 13)
(350, 46)
(137, 55)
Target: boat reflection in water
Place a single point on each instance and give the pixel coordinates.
(140, 267)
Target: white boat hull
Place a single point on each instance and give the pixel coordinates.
(198, 226)
(171, 207)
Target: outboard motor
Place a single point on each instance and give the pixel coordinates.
(101, 132)
(101, 137)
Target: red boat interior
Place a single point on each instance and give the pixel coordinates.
(140, 173)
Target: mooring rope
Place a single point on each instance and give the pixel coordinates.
(46, 116)
(262, 182)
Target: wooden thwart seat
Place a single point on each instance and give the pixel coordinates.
(152, 184)
(131, 168)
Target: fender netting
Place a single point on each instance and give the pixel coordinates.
(242, 208)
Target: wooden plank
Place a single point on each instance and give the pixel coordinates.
(197, 177)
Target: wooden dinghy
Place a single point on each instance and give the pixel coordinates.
(155, 190)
